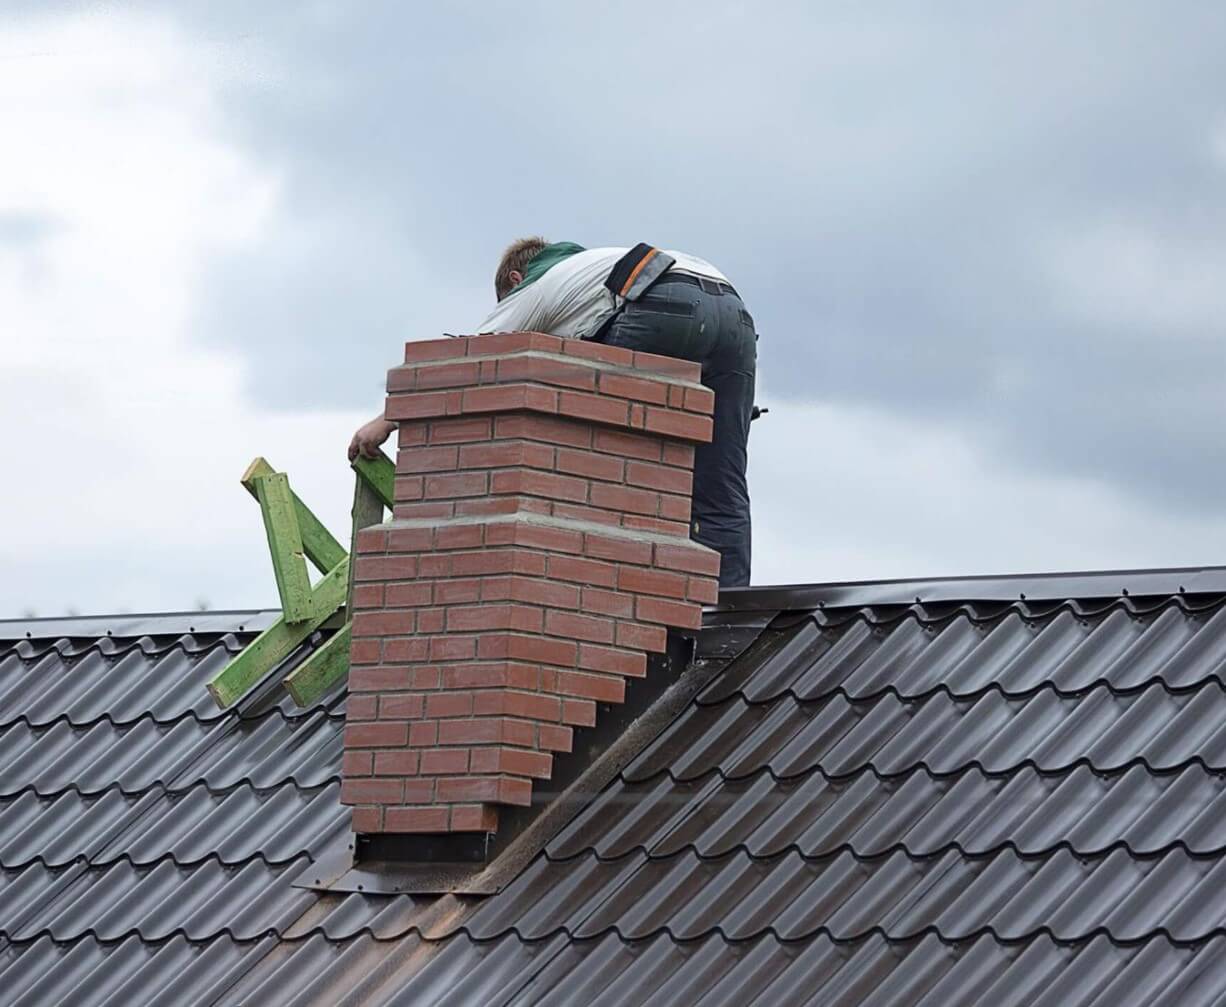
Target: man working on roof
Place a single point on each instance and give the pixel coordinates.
(661, 302)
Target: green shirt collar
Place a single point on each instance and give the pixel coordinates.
(546, 259)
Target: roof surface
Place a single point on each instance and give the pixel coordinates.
(965, 800)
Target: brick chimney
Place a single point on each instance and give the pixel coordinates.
(538, 551)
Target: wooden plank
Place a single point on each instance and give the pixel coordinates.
(320, 547)
(316, 675)
(278, 640)
(284, 545)
(380, 474)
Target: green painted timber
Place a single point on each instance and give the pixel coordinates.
(380, 474)
(279, 640)
(326, 666)
(317, 542)
(284, 545)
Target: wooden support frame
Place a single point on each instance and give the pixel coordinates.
(294, 533)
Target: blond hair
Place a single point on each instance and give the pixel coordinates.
(516, 258)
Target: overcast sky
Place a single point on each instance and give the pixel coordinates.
(985, 249)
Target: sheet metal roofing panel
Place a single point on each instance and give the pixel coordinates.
(150, 843)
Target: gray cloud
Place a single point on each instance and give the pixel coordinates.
(927, 213)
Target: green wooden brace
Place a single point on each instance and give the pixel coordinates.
(284, 545)
(317, 542)
(278, 641)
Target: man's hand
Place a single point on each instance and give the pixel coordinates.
(368, 438)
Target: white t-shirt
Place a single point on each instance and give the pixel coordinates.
(571, 300)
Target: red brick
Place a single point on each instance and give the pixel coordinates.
(545, 428)
(605, 688)
(384, 568)
(444, 761)
(401, 379)
(579, 712)
(419, 510)
(415, 406)
(641, 522)
(419, 791)
(527, 705)
(547, 484)
(659, 477)
(455, 484)
(433, 459)
(504, 453)
(534, 649)
(691, 559)
(402, 762)
(700, 400)
(681, 455)
(460, 430)
(579, 627)
(406, 488)
(500, 789)
(491, 675)
(365, 652)
(367, 596)
(449, 704)
(357, 763)
(625, 498)
(604, 602)
(372, 540)
(540, 536)
(434, 349)
(459, 536)
(629, 386)
(643, 580)
(380, 734)
(450, 375)
(371, 791)
(404, 650)
(361, 707)
(583, 571)
(547, 371)
(485, 731)
(598, 351)
(425, 677)
(675, 508)
(409, 594)
(486, 617)
(683, 426)
(554, 737)
(593, 408)
(411, 435)
(704, 590)
(367, 819)
(429, 818)
(473, 818)
(619, 548)
(513, 342)
(432, 565)
(620, 662)
(416, 539)
(534, 592)
(590, 464)
(579, 512)
(519, 761)
(676, 396)
(672, 366)
(682, 614)
(453, 648)
(382, 623)
(378, 678)
(424, 734)
(499, 561)
(631, 634)
(506, 398)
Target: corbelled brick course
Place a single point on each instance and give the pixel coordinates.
(538, 551)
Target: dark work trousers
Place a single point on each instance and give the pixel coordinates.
(708, 324)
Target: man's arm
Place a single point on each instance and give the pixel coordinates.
(369, 436)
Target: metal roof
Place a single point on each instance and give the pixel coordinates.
(965, 800)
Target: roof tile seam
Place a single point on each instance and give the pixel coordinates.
(414, 931)
(89, 862)
(975, 695)
(189, 714)
(873, 615)
(121, 647)
(974, 765)
(159, 784)
(888, 852)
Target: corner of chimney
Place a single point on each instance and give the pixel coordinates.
(538, 552)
